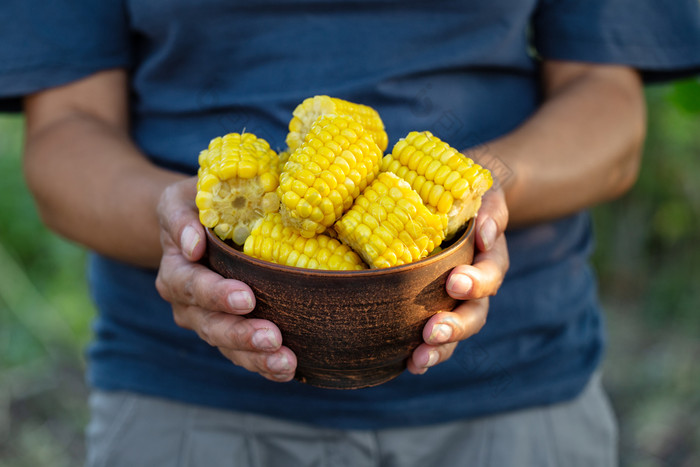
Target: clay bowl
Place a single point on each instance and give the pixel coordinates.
(348, 329)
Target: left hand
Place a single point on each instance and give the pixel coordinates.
(471, 283)
(207, 303)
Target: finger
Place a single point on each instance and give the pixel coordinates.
(253, 344)
(234, 332)
(426, 356)
(444, 330)
(492, 218)
(182, 282)
(456, 325)
(277, 366)
(483, 277)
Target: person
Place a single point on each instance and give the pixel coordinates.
(121, 96)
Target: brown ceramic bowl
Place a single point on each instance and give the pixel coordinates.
(348, 329)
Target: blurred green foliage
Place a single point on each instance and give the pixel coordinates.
(37, 267)
(648, 258)
(44, 326)
(685, 95)
(648, 241)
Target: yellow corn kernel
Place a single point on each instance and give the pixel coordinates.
(204, 200)
(236, 185)
(388, 225)
(312, 108)
(441, 175)
(446, 180)
(351, 165)
(445, 201)
(435, 195)
(272, 240)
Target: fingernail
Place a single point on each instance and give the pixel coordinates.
(189, 239)
(433, 357)
(264, 339)
(240, 301)
(459, 284)
(488, 233)
(278, 363)
(440, 334)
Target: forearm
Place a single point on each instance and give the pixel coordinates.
(582, 147)
(92, 186)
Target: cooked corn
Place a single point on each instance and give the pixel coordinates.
(323, 176)
(272, 240)
(283, 157)
(447, 180)
(310, 109)
(388, 225)
(237, 182)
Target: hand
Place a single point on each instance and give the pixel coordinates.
(207, 303)
(471, 283)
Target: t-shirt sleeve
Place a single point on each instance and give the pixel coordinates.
(659, 38)
(49, 43)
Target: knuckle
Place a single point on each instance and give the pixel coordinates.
(189, 288)
(208, 329)
(506, 265)
(161, 287)
(180, 319)
(480, 284)
(482, 314)
(446, 350)
(163, 208)
(234, 357)
(479, 289)
(495, 290)
(202, 290)
(481, 322)
(236, 333)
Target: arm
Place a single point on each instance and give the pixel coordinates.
(93, 186)
(582, 147)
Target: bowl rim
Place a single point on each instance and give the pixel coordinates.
(468, 230)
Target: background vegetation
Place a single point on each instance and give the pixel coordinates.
(648, 257)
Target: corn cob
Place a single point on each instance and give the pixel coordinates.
(388, 225)
(237, 182)
(310, 109)
(273, 241)
(323, 176)
(448, 181)
(283, 157)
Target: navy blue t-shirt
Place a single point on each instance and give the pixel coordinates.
(467, 71)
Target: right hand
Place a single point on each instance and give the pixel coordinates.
(210, 305)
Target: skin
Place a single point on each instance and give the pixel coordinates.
(83, 169)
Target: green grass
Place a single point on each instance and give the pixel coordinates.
(648, 258)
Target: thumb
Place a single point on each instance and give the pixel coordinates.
(179, 220)
(192, 242)
(492, 218)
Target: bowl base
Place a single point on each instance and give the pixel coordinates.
(349, 379)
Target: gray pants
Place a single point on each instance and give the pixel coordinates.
(134, 431)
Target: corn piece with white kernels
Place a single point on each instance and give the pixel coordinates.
(237, 182)
(306, 113)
